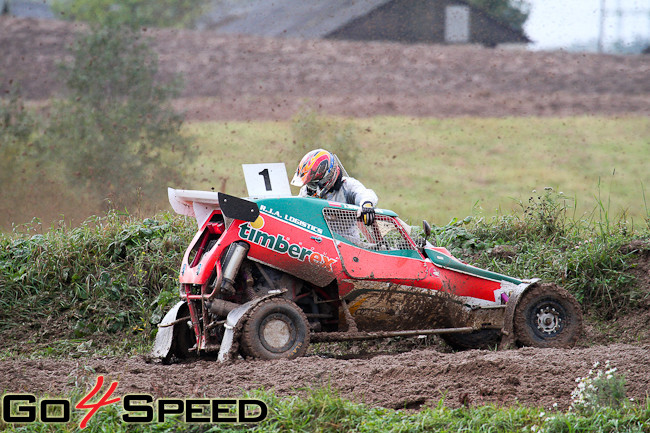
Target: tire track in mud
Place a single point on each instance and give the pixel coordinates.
(421, 377)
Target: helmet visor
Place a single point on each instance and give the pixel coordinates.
(298, 180)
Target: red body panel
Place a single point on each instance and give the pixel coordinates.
(320, 259)
(363, 264)
(290, 248)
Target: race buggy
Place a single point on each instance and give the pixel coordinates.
(264, 277)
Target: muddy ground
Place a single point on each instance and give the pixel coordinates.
(414, 379)
(399, 373)
(229, 77)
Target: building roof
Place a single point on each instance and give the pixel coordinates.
(290, 18)
(310, 19)
(26, 9)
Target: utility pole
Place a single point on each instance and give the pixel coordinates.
(619, 24)
(601, 30)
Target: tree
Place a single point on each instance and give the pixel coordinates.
(132, 13)
(116, 133)
(17, 125)
(513, 12)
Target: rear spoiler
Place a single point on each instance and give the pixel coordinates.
(201, 204)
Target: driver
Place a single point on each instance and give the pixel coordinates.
(320, 174)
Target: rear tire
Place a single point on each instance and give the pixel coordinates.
(548, 316)
(275, 329)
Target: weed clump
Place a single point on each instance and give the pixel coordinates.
(598, 390)
(111, 275)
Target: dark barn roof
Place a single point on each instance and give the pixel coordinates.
(349, 19)
(291, 18)
(26, 9)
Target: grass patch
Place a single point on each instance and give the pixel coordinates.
(438, 169)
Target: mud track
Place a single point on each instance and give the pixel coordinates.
(409, 380)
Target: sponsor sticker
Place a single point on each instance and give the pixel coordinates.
(281, 245)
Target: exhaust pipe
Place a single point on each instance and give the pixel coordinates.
(221, 307)
(234, 258)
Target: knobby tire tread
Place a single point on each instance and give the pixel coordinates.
(571, 332)
(250, 339)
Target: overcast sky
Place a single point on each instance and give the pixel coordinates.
(561, 23)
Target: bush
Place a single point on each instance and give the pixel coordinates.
(116, 134)
(16, 127)
(587, 257)
(132, 13)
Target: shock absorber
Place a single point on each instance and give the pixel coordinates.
(234, 257)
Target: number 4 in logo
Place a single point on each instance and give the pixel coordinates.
(94, 407)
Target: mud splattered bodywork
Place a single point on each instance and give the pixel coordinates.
(339, 279)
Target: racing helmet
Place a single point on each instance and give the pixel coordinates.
(319, 170)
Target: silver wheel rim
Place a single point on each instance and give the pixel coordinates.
(276, 333)
(548, 320)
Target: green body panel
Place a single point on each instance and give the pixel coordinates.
(297, 210)
(306, 209)
(448, 262)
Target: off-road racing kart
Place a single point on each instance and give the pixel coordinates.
(265, 277)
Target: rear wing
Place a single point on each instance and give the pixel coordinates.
(201, 204)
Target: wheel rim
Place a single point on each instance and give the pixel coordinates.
(277, 333)
(547, 319)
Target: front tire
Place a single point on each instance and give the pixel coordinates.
(275, 329)
(184, 337)
(548, 316)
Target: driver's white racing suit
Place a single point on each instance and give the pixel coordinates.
(351, 191)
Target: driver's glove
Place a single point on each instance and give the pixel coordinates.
(367, 213)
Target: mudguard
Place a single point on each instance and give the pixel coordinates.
(165, 335)
(508, 337)
(233, 323)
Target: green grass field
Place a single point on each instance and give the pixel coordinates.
(434, 169)
(439, 169)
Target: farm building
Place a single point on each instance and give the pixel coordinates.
(26, 9)
(407, 21)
